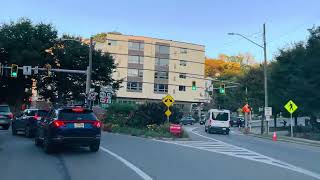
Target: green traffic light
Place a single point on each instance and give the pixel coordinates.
(14, 74)
(222, 91)
(194, 88)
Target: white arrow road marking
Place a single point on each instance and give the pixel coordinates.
(218, 146)
(142, 174)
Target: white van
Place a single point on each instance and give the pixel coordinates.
(217, 121)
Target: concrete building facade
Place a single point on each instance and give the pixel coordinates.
(152, 68)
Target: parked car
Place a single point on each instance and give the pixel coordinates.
(236, 122)
(187, 120)
(5, 116)
(27, 121)
(217, 121)
(69, 126)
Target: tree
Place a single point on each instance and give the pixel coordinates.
(74, 55)
(22, 43)
(294, 75)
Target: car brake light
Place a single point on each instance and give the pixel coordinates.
(97, 124)
(58, 123)
(36, 117)
(10, 116)
(77, 109)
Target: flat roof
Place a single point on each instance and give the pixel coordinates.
(156, 38)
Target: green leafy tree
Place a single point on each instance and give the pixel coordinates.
(22, 43)
(73, 54)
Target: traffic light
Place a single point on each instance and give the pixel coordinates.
(222, 89)
(14, 70)
(194, 87)
(48, 67)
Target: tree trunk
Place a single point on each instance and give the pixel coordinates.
(275, 122)
(295, 121)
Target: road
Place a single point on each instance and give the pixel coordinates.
(206, 156)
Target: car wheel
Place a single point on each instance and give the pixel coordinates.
(37, 141)
(94, 147)
(227, 132)
(208, 130)
(27, 132)
(47, 146)
(13, 130)
(5, 127)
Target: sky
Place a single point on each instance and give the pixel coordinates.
(205, 22)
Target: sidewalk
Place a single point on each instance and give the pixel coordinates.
(287, 139)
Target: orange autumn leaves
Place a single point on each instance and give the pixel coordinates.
(218, 67)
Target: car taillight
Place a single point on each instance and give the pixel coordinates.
(58, 123)
(10, 116)
(97, 124)
(36, 117)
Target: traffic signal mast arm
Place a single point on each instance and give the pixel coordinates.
(54, 70)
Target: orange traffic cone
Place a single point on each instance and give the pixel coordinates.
(274, 137)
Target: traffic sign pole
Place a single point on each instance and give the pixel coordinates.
(291, 130)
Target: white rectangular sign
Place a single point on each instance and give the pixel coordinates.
(268, 111)
(27, 70)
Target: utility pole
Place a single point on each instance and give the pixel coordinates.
(89, 71)
(265, 76)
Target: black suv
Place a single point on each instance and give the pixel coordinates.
(5, 116)
(27, 121)
(69, 126)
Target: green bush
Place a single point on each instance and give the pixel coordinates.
(119, 113)
(153, 113)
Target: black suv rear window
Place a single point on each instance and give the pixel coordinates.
(4, 109)
(69, 114)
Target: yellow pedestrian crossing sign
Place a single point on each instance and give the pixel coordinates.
(168, 100)
(291, 107)
(167, 113)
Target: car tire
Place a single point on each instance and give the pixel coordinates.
(208, 130)
(5, 127)
(37, 141)
(227, 132)
(47, 146)
(13, 130)
(27, 132)
(94, 147)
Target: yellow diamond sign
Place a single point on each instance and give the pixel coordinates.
(291, 107)
(168, 100)
(167, 113)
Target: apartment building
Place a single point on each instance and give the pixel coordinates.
(152, 68)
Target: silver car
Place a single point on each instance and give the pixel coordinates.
(5, 116)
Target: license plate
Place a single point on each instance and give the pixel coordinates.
(79, 125)
(223, 128)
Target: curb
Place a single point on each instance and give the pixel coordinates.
(296, 141)
(154, 138)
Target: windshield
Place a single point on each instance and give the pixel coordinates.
(4, 109)
(220, 116)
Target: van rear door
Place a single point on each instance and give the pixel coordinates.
(220, 119)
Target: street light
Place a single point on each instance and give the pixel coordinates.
(264, 47)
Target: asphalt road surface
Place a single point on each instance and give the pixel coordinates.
(206, 156)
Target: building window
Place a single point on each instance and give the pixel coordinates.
(135, 73)
(161, 74)
(134, 86)
(183, 63)
(161, 49)
(183, 50)
(135, 59)
(162, 62)
(112, 42)
(183, 75)
(160, 88)
(182, 88)
(136, 46)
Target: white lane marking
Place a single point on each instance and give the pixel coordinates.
(142, 174)
(250, 155)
